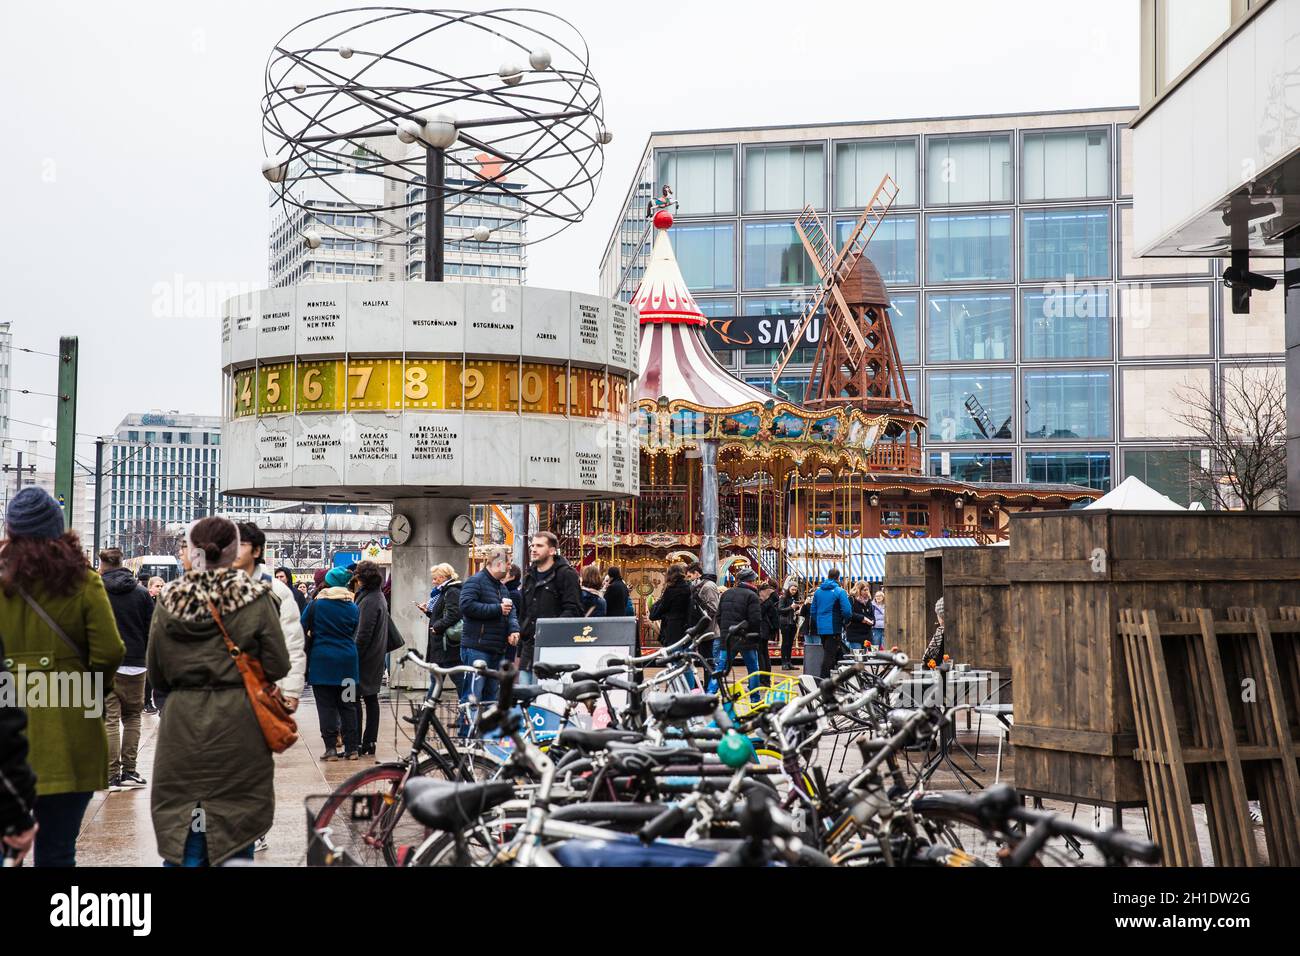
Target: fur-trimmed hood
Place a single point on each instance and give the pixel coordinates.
(186, 598)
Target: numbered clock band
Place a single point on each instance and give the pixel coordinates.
(405, 384)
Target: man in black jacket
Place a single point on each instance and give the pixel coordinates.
(133, 610)
(17, 782)
(740, 604)
(551, 589)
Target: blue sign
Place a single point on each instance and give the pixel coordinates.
(343, 558)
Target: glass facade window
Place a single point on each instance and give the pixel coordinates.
(1164, 320)
(968, 169)
(703, 180)
(707, 255)
(788, 388)
(1066, 243)
(1172, 472)
(1067, 404)
(1088, 468)
(969, 327)
(1066, 323)
(902, 319)
(768, 357)
(969, 406)
(969, 247)
(1066, 164)
(775, 257)
(859, 167)
(784, 178)
(723, 308)
(912, 377)
(892, 249)
(972, 465)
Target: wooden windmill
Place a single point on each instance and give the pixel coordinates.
(857, 359)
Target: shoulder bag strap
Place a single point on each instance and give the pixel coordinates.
(82, 655)
(241, 662)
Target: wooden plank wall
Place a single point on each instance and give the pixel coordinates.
(1070, 574)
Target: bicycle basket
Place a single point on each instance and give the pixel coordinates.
(773, 689)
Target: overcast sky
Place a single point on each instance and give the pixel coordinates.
(131, 144)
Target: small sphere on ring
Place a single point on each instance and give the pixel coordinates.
(346, 52)
(540, 59)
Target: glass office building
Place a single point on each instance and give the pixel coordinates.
(1036, 343)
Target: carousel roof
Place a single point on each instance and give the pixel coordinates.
(675, 361)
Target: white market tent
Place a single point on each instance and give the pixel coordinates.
(858, 558)
(1132, 495)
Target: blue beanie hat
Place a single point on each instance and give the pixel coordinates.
(337, 578)
(34, 514)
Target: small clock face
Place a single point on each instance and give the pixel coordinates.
(399, 529)
(462, 529)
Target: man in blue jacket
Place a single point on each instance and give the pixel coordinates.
(829, 612)
(491, 625)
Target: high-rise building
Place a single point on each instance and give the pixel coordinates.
(162, 468)
(1216, 165)
(1036, 342)
(364, 240)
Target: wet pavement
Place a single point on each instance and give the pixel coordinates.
(118, 830)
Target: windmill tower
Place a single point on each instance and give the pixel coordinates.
(857, 359)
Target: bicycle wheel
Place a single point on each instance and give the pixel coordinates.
(368, 812)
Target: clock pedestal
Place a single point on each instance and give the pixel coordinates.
(430, 544)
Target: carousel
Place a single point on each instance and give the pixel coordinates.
(718, 458)
(730, 474)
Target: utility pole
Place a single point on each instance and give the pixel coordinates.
(99, 491)
(66, 430)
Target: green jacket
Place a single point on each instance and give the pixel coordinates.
(69, 750)
(212, 768)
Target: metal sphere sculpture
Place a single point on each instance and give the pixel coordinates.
(499, 106)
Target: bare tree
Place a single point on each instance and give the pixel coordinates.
(1244, 430)
(297, 538)
(148, 536)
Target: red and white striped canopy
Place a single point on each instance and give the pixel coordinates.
(677, 364)
(675, 361)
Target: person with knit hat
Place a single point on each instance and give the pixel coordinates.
(59, 630)
(333, 668)
(213, 791)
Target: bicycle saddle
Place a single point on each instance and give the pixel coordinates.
(581, 691)
(634, 757)
(548, 671)
(681, 706)
(591, 741)
(597, 675)
(448, 805)
(527, 693)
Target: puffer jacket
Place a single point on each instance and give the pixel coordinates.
(212, 765)
(829, 609)
(738, 604)
(480, 604)
(330, 623)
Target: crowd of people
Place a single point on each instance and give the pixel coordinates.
(172, 649)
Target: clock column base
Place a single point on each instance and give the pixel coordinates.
(430, 544)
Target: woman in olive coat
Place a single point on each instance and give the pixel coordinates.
(69, 749)
(213, 774)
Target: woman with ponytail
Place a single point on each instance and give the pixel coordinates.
(213, 774)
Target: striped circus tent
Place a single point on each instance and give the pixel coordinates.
(857, 558)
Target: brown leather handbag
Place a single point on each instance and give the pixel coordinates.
(278, 726)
